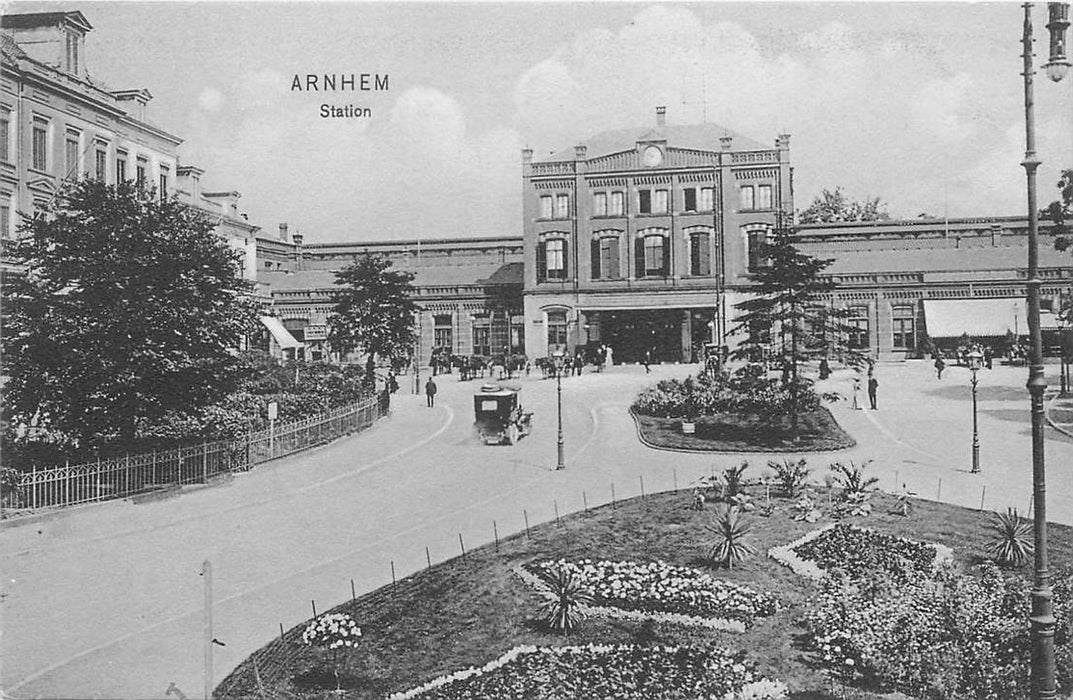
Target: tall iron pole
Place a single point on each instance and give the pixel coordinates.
(559, 390)
(1042, 617)
(975, 428)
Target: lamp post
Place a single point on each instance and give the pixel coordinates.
(976, 361)
(558, 356)
(1042, 616)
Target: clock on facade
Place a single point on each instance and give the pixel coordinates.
(652, 156)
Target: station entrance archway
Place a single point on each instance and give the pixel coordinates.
(669, 335)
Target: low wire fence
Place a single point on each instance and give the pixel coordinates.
(131, 475)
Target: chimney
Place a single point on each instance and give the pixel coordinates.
(298, 252)
(527, 155)
(782, 142)
(580, 151)
(283, 232)
(725, 141)
(189, 180)
(134, 102)
(661, 117)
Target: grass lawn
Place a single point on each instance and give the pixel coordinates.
(465, 613)
(818, 430)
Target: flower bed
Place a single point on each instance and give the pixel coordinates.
(618, 671)
(674, 593)
(859, 552)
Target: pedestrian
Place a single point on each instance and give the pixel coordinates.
(610, 355)
(579, 363)
(939, 367)
(856, 391)
(988, 356)
(646, 361)
(392, 383)
(430, 392)
(873, 384)
(528, 366)
(825, 369)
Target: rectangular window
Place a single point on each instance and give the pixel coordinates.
(859, 335)
(609, 258)
(5, 135)
(699, 254)
(164, 172)
(556, 329)
(71, 149)
(747, 201)
(618, 204)
(101, 162)
(562, 206)
(141, 169)
(120, 167)
(39, 144)
(599, 204)
(763, 199)
(442, 327)
(660, 204)
(904, 334)
(482, 336)
(689, 202)
(5, 216)
(707, 199)
(555, 255)
(545, 207)
(653, 255)
(644, 201)
(754, 242)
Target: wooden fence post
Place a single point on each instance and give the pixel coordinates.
(525, 514)
(612, 495)
(557, 522)
(428, 557)
(314, 604)
(642, 487)
(495, 533)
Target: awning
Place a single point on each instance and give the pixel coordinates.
(282, 336)
(981, 318)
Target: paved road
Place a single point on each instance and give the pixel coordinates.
(107, 601)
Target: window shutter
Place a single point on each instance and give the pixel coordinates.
(666, 255)
(594, 250)
(566, 260)
(612, 270)
(639, 255)
(704, 257)
(541, 262)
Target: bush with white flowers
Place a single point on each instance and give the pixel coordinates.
(332, 631)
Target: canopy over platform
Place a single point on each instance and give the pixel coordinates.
(981, 318)
(281, 335)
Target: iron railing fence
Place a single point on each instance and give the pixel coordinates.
(130, 475)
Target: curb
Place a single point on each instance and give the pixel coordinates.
(1047, 415)
(697, 451)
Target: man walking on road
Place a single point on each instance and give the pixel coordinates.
(647, 361)
(430, 392)
(873, 384)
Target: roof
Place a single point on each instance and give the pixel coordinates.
(980, 318)
(445, 276)
(936, 259)
(696, 136)
(10, 48)
(28, 20)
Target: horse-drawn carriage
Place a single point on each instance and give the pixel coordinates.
(498, 415)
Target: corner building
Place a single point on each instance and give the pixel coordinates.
(643, 239)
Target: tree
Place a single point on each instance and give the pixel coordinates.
(1060, 211)
(834, 206)
(130, 307)
(789, 315)
(374, 312)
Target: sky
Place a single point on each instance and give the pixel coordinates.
(919, 104)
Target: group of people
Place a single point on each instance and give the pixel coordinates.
(963, 353)
(873, 387)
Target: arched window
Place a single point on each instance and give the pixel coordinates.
(556, 329)
(552, 259)
(605, 255)
(700, 256)
(754, 237)
(653, 253)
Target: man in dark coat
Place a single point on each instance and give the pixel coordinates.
(873, 384)
(430, 392)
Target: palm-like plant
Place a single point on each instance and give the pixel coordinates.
(1011, 541)
(851, 479)
(565, 598)
(791, 475)
(732, 480)
(729, 530)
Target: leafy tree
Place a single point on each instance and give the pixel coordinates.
(834, 206)
(374, 312)
(1060, 211)
(130, 307)
(790, 317)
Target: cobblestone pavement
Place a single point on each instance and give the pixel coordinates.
(106, 601)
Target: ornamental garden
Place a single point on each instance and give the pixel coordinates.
(732, 589)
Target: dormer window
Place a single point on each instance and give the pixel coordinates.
(73, 39)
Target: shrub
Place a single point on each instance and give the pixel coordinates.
(791, 475)
(729, 530)
(1011, 541)
(733, 480)
(565, 598)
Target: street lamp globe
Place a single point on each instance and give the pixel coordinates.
(976, 359)
(1058, 65)
(558, 356)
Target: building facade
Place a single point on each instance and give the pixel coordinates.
(643, 239)
(59, 123)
